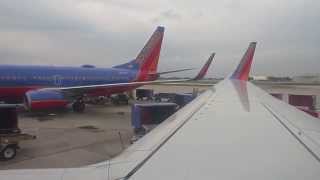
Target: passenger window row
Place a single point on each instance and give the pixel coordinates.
(49, 78)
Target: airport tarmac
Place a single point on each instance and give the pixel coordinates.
(68, 139)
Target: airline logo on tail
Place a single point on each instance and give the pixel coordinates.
(151, 51)
(148, 58)
(243, 69)
(205, 68)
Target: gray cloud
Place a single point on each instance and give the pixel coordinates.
(105, 33)
(167, 15)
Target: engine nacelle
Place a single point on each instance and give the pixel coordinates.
(44, 99)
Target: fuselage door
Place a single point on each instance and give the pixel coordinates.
(57, 79)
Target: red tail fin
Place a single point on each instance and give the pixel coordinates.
(149, 56)
(147, 60)
(205, 68)
(243, 69)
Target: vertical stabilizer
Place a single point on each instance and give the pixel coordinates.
(243, 69)
(205, 68)
(148, 57)
(146, 61)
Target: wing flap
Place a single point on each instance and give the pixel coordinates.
(304, 127)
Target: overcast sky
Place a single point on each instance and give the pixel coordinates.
(109, 32)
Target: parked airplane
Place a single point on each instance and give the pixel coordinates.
(234, 130)
(51, 86)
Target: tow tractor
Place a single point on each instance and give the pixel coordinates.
(10, 134)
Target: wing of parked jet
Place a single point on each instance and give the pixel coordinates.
(173, 71)
(88, 87)
(234, 130)
(203, 71)
(83, 89)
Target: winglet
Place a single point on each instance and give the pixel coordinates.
(205, 68)
(243, 69)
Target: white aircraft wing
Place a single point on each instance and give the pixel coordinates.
(133, 84)
(74, 91)
(232, 131)
(236, 136)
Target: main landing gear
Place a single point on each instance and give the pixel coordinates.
(79, 106)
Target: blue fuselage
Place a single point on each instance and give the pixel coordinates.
(16, 80)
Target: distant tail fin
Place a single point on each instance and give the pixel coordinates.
(205, 68)
(147, 60)
(243, 69)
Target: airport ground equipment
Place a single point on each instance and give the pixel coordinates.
(150, 114)
(146, 116)
(164, 97)
(79, 105)
(118, 99)
(181, 99)
(306, 103)
(10, 134)
(144, 93)
(100, 100)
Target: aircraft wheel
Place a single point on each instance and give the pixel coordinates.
(78, 106)
(9, 152)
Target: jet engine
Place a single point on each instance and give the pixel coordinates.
(44, 99)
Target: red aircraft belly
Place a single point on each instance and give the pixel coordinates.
(15, 92)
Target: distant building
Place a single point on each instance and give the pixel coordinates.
(279, 79)
(260, 78)
(270, 78)
(307, 79)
